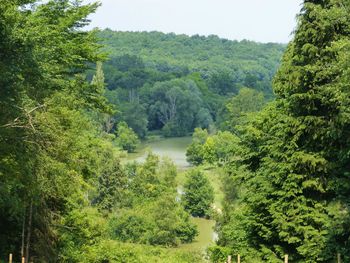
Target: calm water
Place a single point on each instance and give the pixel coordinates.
(174, 148)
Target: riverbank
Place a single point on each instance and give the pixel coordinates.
(175, 149)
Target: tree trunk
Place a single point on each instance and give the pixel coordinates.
(29, 229)
(23, 232)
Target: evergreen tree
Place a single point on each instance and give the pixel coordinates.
(295, 155)
(199, 194)
(111, 183)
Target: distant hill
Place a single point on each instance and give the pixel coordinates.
(249, 63)
(175, 83)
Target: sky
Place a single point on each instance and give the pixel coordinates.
(258, 20)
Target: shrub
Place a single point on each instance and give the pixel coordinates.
(126, 137)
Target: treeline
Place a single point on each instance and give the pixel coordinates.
(287, 176)
(64, 194)
(176, 83)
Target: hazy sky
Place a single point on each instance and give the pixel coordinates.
(259, 20)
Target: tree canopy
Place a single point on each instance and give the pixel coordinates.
(159, 75)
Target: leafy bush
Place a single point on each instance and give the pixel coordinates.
(82, 227)
(112, 251)
(163, 222)
(219, 148)
(126, 137)
(218, 254)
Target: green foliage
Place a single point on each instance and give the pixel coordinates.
(291, 160)
(89, 228)
(247, 101)
(287, 185)
(111, 183)
(126, 137)
(150, 213)
(228, 64)
(195, 151)
(218, 148)
(98, 79)
(60, 172)
(198, 194)
(223, 83)
(176, 83)
(116, 252)
(174, 105)
(51, 149)
(134, 114)
(163, 222)
(218, 254)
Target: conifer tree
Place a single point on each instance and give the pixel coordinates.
(199, 194)
(296, 153)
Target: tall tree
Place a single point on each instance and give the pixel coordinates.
(199, 194)
(42, 98)
(296, 153)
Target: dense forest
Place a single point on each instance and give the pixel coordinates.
(274, 130)
(175, 83)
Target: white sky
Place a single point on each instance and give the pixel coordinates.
(258, 20)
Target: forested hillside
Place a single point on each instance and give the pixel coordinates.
(175, 83)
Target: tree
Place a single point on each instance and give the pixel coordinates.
(126, 137)
(219, 147)
(247, 101)
(111, 183)
(294, 155)
(223, 83)
(199, 194)
(176, 85)
(47, 139)
(128, 72)
(99, 79)
(162, 222)
(174, 106)
(195, 151)
(152, 214)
